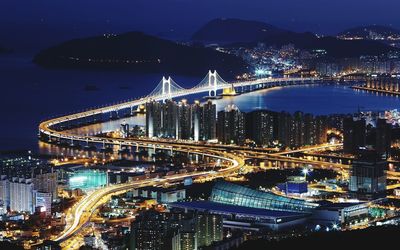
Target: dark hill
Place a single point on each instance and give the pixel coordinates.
(138, 51)
(365, 31)
(336, 48)
(242, 33)
(371, 238)
(234, 30)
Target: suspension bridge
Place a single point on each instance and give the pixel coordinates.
(166, 89)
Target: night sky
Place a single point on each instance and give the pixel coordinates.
(29, 25)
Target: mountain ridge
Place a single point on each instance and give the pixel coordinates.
(335, 47)
(228, 30)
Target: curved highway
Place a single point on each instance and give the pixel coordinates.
(82, 211)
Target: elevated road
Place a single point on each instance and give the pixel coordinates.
(82, 211)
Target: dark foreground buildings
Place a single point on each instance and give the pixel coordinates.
(358, 135)
(231, 126)
(368, 175)
(177, 231)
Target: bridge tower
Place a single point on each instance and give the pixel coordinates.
(212, 83)
(166, 88)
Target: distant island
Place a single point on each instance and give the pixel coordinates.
(141, 52)
(244, 33)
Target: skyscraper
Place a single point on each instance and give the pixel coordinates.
(209, 228)
(209, 122)
(260, 127)
(181, 120)
(321, 128)
(383, 137)
(21, 195)
(185, 120)
(354, 134)
(46, 182)
(153, 119)
(368, 175)
(285, 128)
(197, 121)
(170, 119)
(4, 194)
(298, 129)
(310, 128)
(177, 231)
(231, 126)
(150, 231)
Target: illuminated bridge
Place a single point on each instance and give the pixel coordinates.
(52, 130)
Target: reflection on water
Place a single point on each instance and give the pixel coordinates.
(314, 99)
(108, 126)
(62, 152)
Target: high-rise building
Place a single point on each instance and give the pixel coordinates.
(177, 231)
(46, 182)
(354, 134)
(170, 119)
(298, 129)
(368, 175)
(209, 228)
(310, 129)
(181, 120)
(185, 240)
(260, 127)
(209, 122)
(153, 119)
(284, 128)
(150, 230)
(231, 126)
(21, 195)
(197, 121)
(185, 120)
(185, 237)
(321, 129)
(4, 194)
(383, 137)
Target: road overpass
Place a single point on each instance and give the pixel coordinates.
(82, 211)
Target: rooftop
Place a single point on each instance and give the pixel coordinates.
(233, 209)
